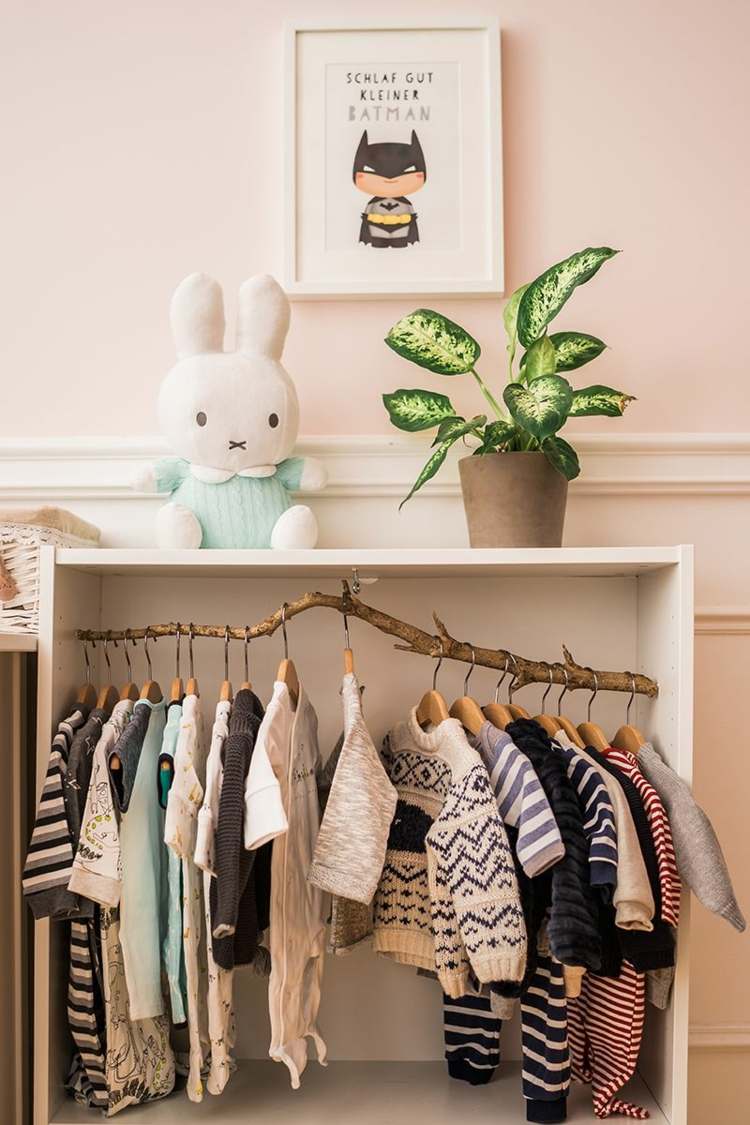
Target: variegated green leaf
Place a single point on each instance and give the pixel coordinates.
(430, 468)
(415, 409)
(561, 456)
(546, 295)
(510, 318)
(431, 340)
(539, 360)
(599, 400)
(496, 434)
(573, 349)
(542, 407)
(451, 429)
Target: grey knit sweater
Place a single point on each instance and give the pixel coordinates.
(700, 860)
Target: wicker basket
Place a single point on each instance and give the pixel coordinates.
(21, 536)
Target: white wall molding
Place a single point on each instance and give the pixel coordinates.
(722, 621)
(720, 1037)
(79, 468)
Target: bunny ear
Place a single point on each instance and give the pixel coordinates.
(197, 315)
(263, 317)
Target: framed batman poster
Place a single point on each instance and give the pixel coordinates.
(393, 148)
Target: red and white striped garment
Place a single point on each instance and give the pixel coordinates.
(669, 879)
(605, 1027)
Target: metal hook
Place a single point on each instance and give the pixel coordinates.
(246, 654)
(106, 657)
(148, 657)
(501, 680)
(191, 634)
(347, 643)
(594, 693)
(512, 686)
(226, 652)
(127, 654)
(283, 630)
(632, 697)
(471, 669)
(437, 666)
(177, 653)
(87, 661)
(548, 688)
(564, 671)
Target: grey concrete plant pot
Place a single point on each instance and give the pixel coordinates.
(513, 500)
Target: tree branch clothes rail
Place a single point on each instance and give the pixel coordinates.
(570, 673)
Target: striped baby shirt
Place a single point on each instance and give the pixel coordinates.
(521, 801)
(49, 862)
(598, 817)
(669, 879)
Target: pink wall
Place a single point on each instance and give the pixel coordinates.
(144, 141)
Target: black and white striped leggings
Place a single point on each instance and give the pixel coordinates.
(472, 1042)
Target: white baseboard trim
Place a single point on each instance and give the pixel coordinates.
(722, 621)
(75, 468)
(720, 1037)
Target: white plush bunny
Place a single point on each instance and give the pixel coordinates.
(231, 417)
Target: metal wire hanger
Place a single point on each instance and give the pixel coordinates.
(629, 738)
(225, 694)
(432, 709)
(287, 673)
(465, 709)
(591, 733)
(496, 712)
(548, 722)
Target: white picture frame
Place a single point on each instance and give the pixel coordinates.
(445, 80)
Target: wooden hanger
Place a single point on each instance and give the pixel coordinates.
(566, 724)
(177, 690)
(86, 696)
(591, 733)
(496, 712)
(225, 692)
(191, 688)
(629, 738)
(130, 689)
(467, 710)
(287, 673)
(516, 711)
(548, 722)
(246, 685)
(432, 708)
(108, 693)
(150, 690)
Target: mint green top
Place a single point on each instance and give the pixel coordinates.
(172, 949)
(238, 513)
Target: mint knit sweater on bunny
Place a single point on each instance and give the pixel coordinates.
(237, 513)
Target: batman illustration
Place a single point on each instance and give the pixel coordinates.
(389, 172)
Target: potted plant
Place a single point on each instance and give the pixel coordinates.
(515, 482)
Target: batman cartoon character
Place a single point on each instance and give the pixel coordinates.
(389, 172)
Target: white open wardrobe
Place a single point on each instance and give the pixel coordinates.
(614, 608)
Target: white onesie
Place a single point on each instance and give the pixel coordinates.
(281, 802)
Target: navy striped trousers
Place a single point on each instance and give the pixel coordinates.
(472, 1041)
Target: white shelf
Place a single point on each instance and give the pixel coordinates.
(562, 561)
(379, 1093)
(18, 642)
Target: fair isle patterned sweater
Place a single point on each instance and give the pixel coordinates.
(448, 898)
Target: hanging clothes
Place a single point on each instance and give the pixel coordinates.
(219, 998)
(282, 805)
(700, 860)
(173, 955)
(178, 831)
(661, 833)
(598, 819)
(605, 1028)
(49, 861)
(350, 848)
(521, 801)
(143, 862)
(139, 1062)
(86, 1081)
(97, 867)
(78, 773)
(632, 899)
(241, 891)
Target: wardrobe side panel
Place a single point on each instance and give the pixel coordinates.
(69, 600)
(665, 650)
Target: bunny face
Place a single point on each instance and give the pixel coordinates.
(231, 411)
